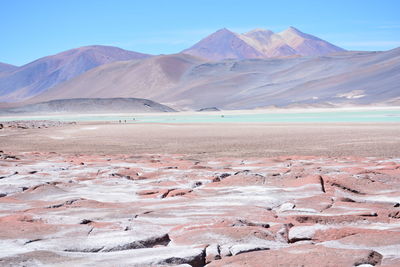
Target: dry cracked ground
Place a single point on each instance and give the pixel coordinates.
(173, 210)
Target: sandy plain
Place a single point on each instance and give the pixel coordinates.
(212, 139)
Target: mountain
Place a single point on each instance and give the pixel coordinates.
(260, 43)
(268, 43)
(306, 44)
(6, 67)
(150, 78)
(185, 82)
(89, 105)
(33, 78)
(223, 44)
(25, 82)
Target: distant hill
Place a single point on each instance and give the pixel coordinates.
(183, 81)
(260, 43)
(151, 78)
(90, 105)
(36, 77)
(6, 67)
(208, 109)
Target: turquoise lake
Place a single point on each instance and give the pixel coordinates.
(383, 115)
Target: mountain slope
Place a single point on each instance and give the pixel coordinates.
(306, 44)
(6, 67)
(223, 44)
(32, 79)
(260, 43)
(349, 78)
(151, 77)
(268, 43)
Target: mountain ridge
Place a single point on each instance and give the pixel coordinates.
(349, 78)
(255, 69)
(222, 44)
(261, 43)
(4, 67)
(140, 78)
(35, 77)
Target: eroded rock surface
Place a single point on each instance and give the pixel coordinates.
(169, 210)
(26, 124)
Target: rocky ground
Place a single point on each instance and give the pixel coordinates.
(169, 210)
(33, 124)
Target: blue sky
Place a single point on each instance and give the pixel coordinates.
(32, 29)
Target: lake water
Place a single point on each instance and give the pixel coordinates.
(380, 115)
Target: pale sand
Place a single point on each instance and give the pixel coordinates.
(227, 139)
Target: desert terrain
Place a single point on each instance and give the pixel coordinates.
(231, 194)
(211, 139)
(256, 148)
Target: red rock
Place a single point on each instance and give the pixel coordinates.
(205, 217)
(24, 226)
(178, 192)
(301, 255)
(343, 232)
(160, 193)
(354, 185)
(318, 203)
(375, 238)
(220, 235)
(128, 173)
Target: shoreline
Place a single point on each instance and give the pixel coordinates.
(221, 112)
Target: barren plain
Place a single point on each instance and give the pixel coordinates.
(233, 194)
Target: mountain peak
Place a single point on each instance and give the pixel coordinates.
(260, 43)
(306, 44)
(293, 29)
(224, 30)
(223, 44)
(102, 49)
(4, 67)
(221, 33)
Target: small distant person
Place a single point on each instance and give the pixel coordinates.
(125, 121)
(119, 121)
